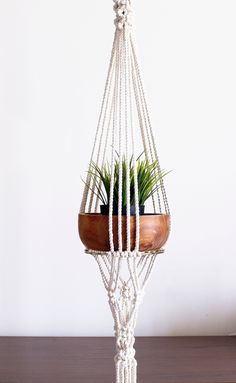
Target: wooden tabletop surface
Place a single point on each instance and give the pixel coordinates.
(90, 360)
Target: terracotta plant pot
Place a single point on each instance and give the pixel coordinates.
(154, 231)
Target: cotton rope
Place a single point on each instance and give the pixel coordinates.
(124, 125)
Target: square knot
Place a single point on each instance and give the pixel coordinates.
(125, 292)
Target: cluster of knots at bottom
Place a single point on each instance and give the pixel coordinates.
(125, 279)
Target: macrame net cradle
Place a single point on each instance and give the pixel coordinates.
(124, 129)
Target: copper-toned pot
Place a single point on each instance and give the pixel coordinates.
(154, 231)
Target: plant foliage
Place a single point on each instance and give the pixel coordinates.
(148, 178)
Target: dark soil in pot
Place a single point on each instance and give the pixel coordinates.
(105, 210)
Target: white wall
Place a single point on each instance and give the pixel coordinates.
(53, 60)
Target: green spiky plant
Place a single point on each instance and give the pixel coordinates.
(148, 178)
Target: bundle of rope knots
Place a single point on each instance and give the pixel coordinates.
(123, 12)
(125, 343)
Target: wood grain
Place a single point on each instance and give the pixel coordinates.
(154, 231)
(90, 360)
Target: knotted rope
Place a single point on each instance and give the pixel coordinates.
(125, 279)
(124, 116)
(123, 12)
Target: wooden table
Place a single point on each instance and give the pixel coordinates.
(89, 360)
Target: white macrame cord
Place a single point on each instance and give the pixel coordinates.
(123, 129)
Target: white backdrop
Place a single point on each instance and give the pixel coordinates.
(53, 61)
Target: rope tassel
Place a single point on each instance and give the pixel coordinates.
(125, 372)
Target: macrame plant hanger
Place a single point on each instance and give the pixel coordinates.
(124, 131)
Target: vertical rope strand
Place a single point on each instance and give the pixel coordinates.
(106, 142)
(114, 128)
(88, 178)
(120, 146)
(134, 152)
(126, 62)
(102, 134)
(144, 124)
(145, 138)
(149, 125)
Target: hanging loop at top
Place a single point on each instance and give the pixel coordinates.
(123, 12)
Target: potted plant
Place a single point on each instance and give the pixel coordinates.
(154, 228)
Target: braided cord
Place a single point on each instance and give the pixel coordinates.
(149, 128)
(88, 179)
(124, 115)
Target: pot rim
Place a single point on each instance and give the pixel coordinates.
(115, 215)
